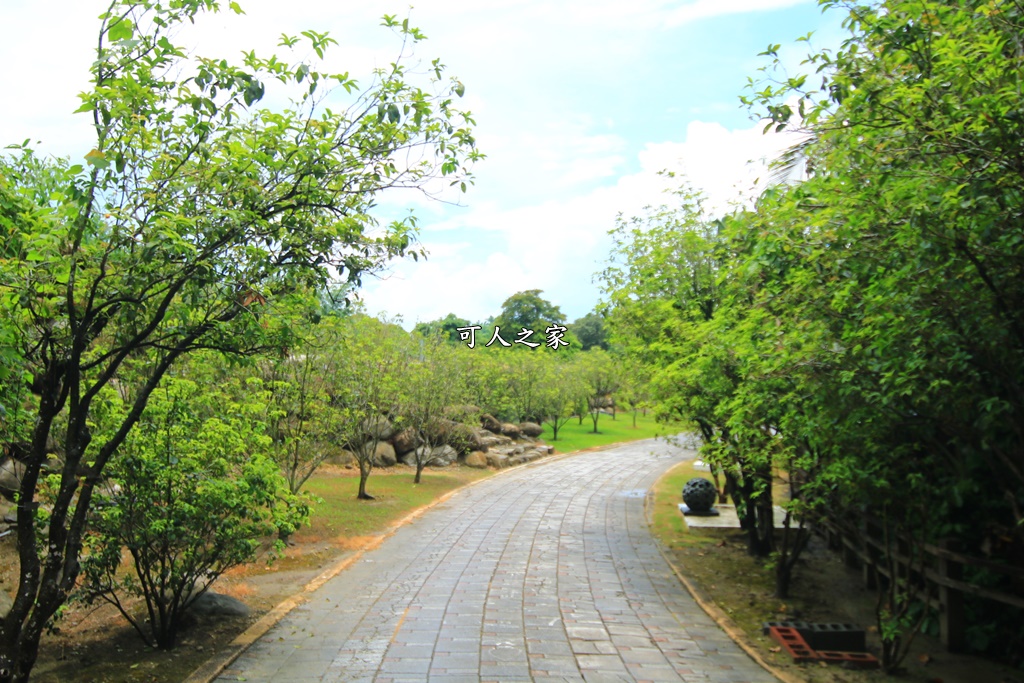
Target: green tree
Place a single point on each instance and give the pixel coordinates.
(192, 493)
(527, 310)
(591, 332)
(902, 257)
(196, 209)
(434, 386)
(562, 392)
(601, 373)
(368, 386)
(447, 327)
(304, 422)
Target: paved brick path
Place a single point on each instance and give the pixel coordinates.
(545, 573)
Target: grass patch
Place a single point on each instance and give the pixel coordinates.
(574, 436)
(342, 516)
(667, 523)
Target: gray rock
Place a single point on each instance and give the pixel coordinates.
(493, 440)
(341, 457)
(378, 427)
(384, 455)
(490, 423)
(531, 429)
(477, 459)
(496, 460)
(219, 605)
(11, 472)
(510, 430)
(406, 440)
(440, 456)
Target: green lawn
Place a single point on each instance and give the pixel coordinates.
(575, 436)
(342, 515)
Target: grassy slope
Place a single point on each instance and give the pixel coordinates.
(575, 436)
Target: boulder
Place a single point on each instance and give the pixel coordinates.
(378, 427)
(492, 440)
(406, 440)
(477, 459)
(440, 456)
(11, 472)
(510, 430)
(384, 455)
(496, 460)
(479, 439)
(217, 604)
(490, 423)
(341, 457)
(531, 429)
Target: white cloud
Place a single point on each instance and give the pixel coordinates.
(557, 245)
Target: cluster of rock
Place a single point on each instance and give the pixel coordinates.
(492, 444)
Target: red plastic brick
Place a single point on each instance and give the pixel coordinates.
(793, 643)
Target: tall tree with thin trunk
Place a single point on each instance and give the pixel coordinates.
(194, 211)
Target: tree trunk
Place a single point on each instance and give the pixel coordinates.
(18, 656)
(419, 470)
(364, 474)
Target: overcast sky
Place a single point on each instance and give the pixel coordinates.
(579, 104)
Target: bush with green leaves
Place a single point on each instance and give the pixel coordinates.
(191, 494)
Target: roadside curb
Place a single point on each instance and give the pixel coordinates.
(714, 612)
(216, 665)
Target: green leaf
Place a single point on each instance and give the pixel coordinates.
(97, 159)
(122, 30)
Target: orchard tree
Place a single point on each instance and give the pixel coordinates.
(561, 394)
(369, 385)
(195, 209)
(434, 385)
(601, 373)
(195, 492)
(304, 423)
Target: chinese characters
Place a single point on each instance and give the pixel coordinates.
(554, 337)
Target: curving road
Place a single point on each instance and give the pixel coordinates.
(546, 572)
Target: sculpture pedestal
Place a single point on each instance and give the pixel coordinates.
(685, 509)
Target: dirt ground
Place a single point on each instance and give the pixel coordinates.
(95, 643)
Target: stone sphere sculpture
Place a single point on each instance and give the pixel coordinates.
(699, 495)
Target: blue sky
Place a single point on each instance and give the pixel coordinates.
(579, 103)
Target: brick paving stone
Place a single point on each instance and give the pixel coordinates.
(546, 572)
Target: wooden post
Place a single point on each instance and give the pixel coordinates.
(952, 621)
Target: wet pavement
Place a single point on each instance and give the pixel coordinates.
(546, 572)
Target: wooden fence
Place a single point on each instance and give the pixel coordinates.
(862, 545)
